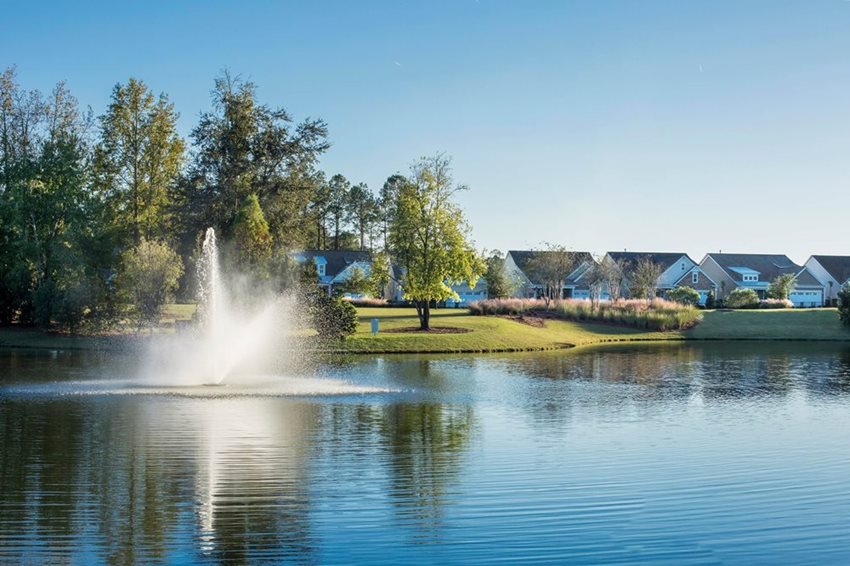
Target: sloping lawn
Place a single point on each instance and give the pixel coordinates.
(487, 333)
(784, 324)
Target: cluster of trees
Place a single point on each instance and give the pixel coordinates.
(83, 197)
(98, 212)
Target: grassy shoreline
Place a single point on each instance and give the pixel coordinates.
(491, 334)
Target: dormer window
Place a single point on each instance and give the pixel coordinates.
(748, 277)
(321, 269)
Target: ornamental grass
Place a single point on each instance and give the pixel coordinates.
(657, 314)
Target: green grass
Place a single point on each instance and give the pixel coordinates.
(496, 334)
(488, 333)
(783, 324)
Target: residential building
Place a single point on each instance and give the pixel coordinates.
(833, 272)
(757, 271)
(525, 285)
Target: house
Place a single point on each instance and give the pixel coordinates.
(833, 271)
(698, 280)
(756, 271)
(468, 294)
(517, 269)
(675, 268)
(334, 267)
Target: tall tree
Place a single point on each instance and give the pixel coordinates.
(429, 237)
(48, 218)
(138, 160)
(243, 148)
(362, 211)
(387, 200)
(338, 187)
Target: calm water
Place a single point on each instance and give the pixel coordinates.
(681, 454)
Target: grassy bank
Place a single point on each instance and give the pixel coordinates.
(484, 333)
(501, 334)
(498, 334)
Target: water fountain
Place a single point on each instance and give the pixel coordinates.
(225, 339)
(240, 348)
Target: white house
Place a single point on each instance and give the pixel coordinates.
(334, 267)
(517, 269)
(674, 267)
(833, 272)
(468, 294)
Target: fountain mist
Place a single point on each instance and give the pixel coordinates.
(227, 337)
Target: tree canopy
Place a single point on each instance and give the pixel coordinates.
(429, 236)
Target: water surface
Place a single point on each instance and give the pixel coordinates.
(678, 453)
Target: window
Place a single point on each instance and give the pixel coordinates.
(751, 277)
(694, 277)
(321, 269)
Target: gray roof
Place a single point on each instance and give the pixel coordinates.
(337, 260)
(768, 266)
(664, 259)
(522, 257)
(838, 266)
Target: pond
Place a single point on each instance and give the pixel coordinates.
(678, 453)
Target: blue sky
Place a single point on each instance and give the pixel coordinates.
(674, 126)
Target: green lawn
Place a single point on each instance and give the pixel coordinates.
(790, 324)
(495, 334)
(489, 334)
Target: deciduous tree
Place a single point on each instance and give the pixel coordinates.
(430, 238)
(643, 279)
(550, 268)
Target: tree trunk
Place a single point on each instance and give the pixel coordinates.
(425, 318)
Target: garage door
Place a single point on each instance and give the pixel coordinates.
(807, 298)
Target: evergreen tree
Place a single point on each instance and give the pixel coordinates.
(138, 161)
(251, 236)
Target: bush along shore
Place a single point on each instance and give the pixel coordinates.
(655, 314)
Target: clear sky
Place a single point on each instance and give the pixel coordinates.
(647, 125)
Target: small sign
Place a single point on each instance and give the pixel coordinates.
(374, 326)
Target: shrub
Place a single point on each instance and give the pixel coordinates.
(684, 296)
(366, 301)
(844, 304)
(332, 318)
(710, 301)
(776, 304)
(657, 314)
(742, 299)
(781, 286)
(150, 275)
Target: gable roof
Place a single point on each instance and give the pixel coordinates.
(664, 259)
(522, 257)
(838, 266)
(806, 279)
(336, 260)
(696, 269)
(767, 266)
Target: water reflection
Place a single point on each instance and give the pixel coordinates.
(671, 452)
